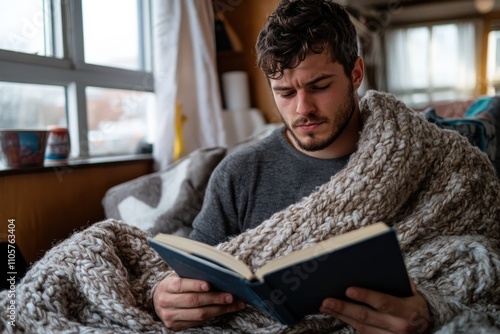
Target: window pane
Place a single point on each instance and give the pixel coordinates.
(493, 61)
(111, 33)
(418, 54)
(445, 55)
(117, 120)
(32, 106)
(31, 26)
(432, 63)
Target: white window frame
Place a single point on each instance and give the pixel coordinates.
(74, 74)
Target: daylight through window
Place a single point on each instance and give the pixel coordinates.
(82, 64)
(432, 63)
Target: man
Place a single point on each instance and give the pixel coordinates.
(308, 51)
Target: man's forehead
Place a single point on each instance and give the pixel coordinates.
(309, 71)
(284, 84)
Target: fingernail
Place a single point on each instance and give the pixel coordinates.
(351, 293)
(329, 305)
(228, 299)
(204, 287)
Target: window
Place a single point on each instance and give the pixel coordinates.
(432, 63)
(116, 119)
(117, 44)
(493, 62)
(33, 105)
(31, 26)
(84, 64)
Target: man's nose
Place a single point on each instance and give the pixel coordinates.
(305, 105)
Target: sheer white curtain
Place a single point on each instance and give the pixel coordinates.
(189, 106)
(432, 63)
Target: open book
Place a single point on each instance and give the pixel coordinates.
(293, 286)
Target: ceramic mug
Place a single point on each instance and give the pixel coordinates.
(58, 144)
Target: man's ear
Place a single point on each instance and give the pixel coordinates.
(357, 73)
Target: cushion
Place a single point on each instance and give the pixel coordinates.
(165, 201)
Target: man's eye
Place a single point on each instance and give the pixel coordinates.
(321, 87)
(287, 94)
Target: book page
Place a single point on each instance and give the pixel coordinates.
(322, 247)
(206, 252)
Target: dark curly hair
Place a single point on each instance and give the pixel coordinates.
(298, 27)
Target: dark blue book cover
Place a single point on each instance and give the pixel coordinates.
(295, 285)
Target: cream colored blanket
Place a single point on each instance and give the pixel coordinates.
(439, 193)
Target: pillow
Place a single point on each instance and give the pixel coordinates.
(166, 201)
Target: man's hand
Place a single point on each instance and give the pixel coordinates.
(387, 314)
(183, 303)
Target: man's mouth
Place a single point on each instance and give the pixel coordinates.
(308, 127)
(308, 124)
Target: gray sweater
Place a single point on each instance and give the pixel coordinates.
(251, 184)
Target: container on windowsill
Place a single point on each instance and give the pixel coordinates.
(23, 147)
(58, 144)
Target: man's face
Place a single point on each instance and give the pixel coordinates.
(316, 102)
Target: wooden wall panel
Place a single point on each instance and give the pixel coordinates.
(247, 19)
(49, 204)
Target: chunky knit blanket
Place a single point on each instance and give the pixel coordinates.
(439, 193)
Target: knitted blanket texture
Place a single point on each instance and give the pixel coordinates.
(439, 193)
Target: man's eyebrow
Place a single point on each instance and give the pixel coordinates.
(281, 88)
(318, 79)
(309, 83)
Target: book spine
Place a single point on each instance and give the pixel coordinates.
(270, 302)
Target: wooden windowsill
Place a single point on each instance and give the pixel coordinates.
(75, 163)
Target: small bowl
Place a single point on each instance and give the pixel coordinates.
(23, 148)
